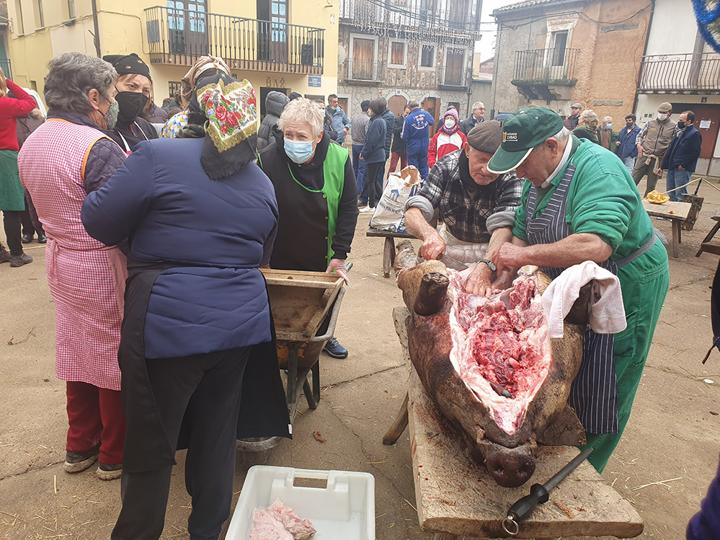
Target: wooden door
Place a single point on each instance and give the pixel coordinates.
(272, 33)
(397, 104)
(188, 27)
(707, 120)
(363, 59)
(432, 105)
(454, 66)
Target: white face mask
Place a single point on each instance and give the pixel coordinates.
(662, 116)
(449, 123)
(608, 125)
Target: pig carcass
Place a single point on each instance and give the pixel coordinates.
(490, 366)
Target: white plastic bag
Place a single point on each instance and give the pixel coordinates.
(388, 215)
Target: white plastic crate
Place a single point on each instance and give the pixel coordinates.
(343, 509)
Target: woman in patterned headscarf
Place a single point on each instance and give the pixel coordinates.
(196, 350)
(204, 67)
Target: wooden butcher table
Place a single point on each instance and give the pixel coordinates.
(456, 498)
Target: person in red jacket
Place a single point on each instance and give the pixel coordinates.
(448, 139)
(12, 195)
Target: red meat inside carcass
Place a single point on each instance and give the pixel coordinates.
(501, 340)
(498, 344)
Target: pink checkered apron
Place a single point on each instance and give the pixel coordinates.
(86, 278)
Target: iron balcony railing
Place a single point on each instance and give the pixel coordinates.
(418, 15)
(545, 66)
(680, 72)
(181, 36)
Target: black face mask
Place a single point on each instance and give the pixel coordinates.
(681, 124)
(131, 105)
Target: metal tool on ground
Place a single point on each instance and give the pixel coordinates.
(539, 494)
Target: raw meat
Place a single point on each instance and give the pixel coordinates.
(279, 522)
(468, 350)
(502, 340)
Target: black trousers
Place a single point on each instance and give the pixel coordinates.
(11, 222)
(204, 390)
(374, 182)
(30, 222)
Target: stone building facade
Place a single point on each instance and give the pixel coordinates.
(424, 54)
(556, 52)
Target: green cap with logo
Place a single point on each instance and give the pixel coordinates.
(520, 134)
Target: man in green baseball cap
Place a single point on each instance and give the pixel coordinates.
(580, 204)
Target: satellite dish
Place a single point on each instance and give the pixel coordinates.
(707, 13)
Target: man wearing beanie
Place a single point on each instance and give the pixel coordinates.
(134, 88)
(580, 204)
(475, 207)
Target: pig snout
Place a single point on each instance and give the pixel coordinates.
(510, 467)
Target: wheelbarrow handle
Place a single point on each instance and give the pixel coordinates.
(333, 319)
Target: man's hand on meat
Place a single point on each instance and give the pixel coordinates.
(480, 280)
(433, 246)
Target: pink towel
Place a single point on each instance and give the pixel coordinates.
(607, 313)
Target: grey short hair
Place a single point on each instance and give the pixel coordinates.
(71, 76)
(478, 105)
(303, 110)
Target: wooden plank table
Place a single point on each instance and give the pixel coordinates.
(456, 498)
(676, 212)
(389, 248)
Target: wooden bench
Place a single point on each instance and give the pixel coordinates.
(456, 498)
(676, 212)
(389, 247)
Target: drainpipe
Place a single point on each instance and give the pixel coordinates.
(96, 28)
(647, 39)
(478, 13)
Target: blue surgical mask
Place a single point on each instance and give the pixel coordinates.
(298, 151)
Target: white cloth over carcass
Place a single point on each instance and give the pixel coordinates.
(607, 313)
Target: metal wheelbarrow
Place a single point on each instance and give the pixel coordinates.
(305, 307)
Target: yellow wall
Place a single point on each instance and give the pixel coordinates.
(122, 30)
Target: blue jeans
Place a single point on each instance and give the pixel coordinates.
(675, 179)
(629, 163)
(359, 167)
(418, 155)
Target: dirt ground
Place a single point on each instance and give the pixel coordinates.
(663, 465)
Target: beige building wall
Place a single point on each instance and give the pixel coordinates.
(123, 30)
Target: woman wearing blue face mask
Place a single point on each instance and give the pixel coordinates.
(316, 195)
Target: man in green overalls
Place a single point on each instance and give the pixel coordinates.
(580, 204)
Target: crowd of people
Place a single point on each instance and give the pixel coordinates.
(156, 235)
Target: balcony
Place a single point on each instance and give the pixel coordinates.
(545, 73)
(181, 36)
(680, 74)
(453, 20)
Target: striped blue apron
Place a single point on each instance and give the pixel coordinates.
(594, 391)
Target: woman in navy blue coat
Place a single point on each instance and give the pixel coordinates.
(197, 352)
(373, 153)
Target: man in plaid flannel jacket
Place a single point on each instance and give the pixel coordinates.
(476, 207)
